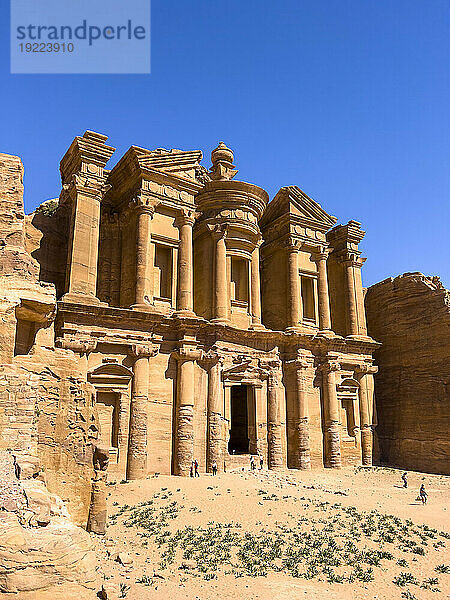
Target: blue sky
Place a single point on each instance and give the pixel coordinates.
(349, 100)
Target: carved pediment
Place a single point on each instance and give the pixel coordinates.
(183, 163)
(244, 371)
(293, 203)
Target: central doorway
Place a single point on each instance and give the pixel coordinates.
(240, 419)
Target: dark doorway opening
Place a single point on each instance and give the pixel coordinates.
(239, 434)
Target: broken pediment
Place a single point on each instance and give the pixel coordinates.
(293, 203)
(182, 163)
(244, 371)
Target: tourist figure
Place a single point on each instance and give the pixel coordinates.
(422, 494)
(252, 463)
(191, 471)
(405, 480)
(196, 473)
(214, 468)
(261, 462)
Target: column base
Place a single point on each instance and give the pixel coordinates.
(220, 321)
(257, 327)
(185, 314)
(360, 338)
(82, 299)
(294, 329)
(145, 307)
(326, 333)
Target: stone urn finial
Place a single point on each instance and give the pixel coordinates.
(222, 163)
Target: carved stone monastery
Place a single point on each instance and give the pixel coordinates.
(172, 313)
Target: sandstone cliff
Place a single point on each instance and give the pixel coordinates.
(410, 316)
(46, 406)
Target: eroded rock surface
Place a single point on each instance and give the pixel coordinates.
(410, 315)
(40, 548)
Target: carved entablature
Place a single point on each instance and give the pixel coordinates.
(81, 346)
(344, 240)
(87, 155)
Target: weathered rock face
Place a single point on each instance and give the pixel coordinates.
(410, 315)
(40, 548)
(46, 406)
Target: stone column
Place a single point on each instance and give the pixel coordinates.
(221, 300)
(303, 459)
(274, 426)
(365, 377)
(185, 288)
(137, 440)
(97, 509)
(352, 315)
(81, 278)
(116, 253)
(124, 430)
(255, 290)
(360, 308)
(214, 442)
(184, 432)
(144, 255)
(324, 299)
(295, 308)
(332, 456)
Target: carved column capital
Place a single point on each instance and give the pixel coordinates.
(92, 186)
(144, 204)
(145, 350)
(292, 244)
(321, 254)
(273, 368)
(365, 369)
(299, 363)
(219, 231)
(210, 359)
(352, 259)
(330, 366)
(186, 353)
(186, 216)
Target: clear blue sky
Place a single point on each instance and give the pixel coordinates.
(348, 99)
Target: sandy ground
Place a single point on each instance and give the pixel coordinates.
(277, 506)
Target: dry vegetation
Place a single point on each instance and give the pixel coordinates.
(264, 535)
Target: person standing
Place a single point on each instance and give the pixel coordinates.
(252, 463)
(261, 462)
(422, 493)
(405, 480)
(196, 473)
(214, 468)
